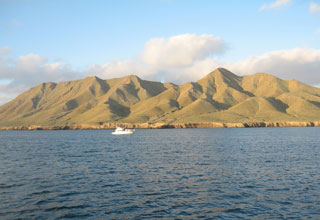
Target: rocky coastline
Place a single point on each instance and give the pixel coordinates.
(165, 125)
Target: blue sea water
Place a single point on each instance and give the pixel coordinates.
(248, 173)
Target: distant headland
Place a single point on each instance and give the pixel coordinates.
(220, 99)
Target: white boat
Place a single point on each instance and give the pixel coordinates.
(120, 130)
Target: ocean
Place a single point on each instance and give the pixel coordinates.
(246, 173)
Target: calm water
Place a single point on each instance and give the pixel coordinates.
(256, 173)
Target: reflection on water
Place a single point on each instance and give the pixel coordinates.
(172, 174)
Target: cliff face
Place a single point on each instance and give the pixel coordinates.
(220, 97)
(163, 125)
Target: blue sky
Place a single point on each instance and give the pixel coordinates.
(105, 38)
(83, 33)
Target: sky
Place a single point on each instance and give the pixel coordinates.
(162, 40)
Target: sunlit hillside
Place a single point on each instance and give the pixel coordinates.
(221, 96)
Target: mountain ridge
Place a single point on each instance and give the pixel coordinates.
(220, 96)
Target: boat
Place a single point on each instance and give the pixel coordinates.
(120, 130)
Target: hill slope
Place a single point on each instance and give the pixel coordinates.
(221, 96)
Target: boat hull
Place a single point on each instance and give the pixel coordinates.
(122, 132)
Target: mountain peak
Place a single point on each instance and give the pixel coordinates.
(92, 78)
(224, 72)
(220, 75)
(220, 72)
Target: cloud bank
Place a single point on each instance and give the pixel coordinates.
(177, 59)
(275, 5)
(195, 61)
(18, 75)
(302, 64)
(181, 50)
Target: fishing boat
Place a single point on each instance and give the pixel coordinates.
(120, 131)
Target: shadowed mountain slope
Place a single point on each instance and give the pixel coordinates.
(220, 96)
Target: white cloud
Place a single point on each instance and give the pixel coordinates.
(121, 68)
(302, 64)
(314, 8)
(181, 50)
(275, 5)
(19, 75)
(31, 62)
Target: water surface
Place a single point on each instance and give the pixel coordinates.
(255, 173)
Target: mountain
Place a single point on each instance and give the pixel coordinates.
(221, 96)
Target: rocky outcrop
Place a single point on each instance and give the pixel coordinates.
(164, 125)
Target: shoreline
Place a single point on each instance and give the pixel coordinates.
(164, 125)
